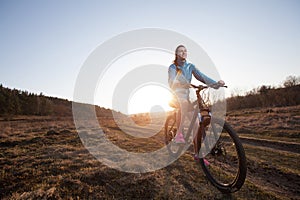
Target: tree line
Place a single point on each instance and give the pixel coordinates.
(267, 96)
(17, 102)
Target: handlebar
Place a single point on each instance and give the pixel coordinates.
(201, 87)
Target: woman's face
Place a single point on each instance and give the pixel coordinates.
(181, 53)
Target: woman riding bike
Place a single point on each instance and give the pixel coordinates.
(180, 76)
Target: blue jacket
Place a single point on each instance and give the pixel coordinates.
(184, 78)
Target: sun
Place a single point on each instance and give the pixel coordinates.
(149, 98)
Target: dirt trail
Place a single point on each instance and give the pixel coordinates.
(280, 145)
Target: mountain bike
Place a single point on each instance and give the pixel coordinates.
(220, 152)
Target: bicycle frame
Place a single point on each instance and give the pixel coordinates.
(197, 106)
(197, 113)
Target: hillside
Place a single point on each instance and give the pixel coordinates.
(42, 157)
(15, 102)
(252, 106)
(266, 96)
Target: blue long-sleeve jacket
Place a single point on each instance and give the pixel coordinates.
(184, 78)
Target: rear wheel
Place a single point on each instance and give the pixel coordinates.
(226, 167)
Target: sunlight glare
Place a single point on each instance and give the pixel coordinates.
(147, 99)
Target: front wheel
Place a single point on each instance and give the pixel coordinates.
(225, 166)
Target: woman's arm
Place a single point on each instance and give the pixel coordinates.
(205, 79)
(202, 77)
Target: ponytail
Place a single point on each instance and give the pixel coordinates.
(176, 60)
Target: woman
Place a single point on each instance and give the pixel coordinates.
(180, 76)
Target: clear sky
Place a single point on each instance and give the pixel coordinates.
(43, 44)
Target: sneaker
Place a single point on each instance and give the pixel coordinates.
(206, 163)
(179, 138)
(196, 158)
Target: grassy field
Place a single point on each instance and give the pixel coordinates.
(44, 158)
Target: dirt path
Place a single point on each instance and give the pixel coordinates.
(280, 145)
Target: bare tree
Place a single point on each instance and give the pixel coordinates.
(291, 81)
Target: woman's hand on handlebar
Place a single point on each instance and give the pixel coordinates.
(217, 85)
(221, 83)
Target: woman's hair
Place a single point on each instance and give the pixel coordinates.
(176, 60)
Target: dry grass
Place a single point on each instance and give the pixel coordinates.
(43, 158)
(275, 123)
